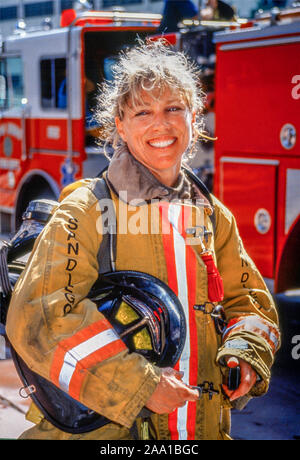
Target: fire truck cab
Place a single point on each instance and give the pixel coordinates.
(48, 83)
(257, 153)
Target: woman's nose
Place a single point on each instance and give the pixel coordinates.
(160, 119)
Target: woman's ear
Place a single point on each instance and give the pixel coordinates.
(120, 128)
(193, 120)
(193, 116)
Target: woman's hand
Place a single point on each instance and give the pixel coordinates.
(171, 393)
(248, 379)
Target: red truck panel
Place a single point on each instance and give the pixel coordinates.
(258, 135)
(253, 207)
(255, 98)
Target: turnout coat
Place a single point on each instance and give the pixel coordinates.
(50, 315)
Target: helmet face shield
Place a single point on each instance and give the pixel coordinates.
(145, 313)
(146, 330)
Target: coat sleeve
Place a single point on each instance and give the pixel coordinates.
(252, 331)
(60, 333)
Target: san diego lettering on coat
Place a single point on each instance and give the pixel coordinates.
(72, 247)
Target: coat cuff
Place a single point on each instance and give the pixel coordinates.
(251, 356)
(136, 404)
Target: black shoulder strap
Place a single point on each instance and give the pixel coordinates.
(203, 189)
(107, 250)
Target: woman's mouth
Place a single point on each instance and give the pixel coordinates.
(161, 143)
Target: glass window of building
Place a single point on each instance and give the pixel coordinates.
(8, 13)
(38, 9)
(110, 3)
(66, 4)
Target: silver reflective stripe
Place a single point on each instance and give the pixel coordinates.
(181, 275)
(292, 210)
(254, 161)
(81, 351)
(249, 324)
(259, 43)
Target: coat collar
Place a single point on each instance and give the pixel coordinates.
(125, 173)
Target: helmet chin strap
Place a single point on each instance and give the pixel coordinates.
(135, 327)
(112, 246)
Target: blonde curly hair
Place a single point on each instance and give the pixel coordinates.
(148, 66)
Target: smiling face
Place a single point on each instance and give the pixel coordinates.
(157, 131)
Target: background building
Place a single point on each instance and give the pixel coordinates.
(35, 11)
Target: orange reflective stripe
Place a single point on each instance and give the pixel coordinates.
(257, 325)
(83, 350)
(98, 356)
(181, 269)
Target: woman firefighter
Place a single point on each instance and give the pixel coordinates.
(169, 380)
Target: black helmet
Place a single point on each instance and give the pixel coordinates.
(145, 313)
(150, 320)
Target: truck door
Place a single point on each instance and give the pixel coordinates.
(13, 148)
(51, 121)
(248, 188)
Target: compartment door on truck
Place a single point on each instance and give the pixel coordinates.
(12, 133)
(248, 189)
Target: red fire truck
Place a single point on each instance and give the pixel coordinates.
(48, 83)
(257, 153)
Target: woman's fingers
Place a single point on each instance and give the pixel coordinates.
(248, 379)
(171, 393)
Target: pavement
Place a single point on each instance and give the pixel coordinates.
(274, 416)
(12, 407)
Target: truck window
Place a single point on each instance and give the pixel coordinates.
(108, 63)
(53, 83)
(3, 85)
(11, 82)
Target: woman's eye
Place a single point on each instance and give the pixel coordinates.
(174, 109)
(141, 113)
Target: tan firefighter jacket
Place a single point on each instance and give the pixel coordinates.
(50, 316)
